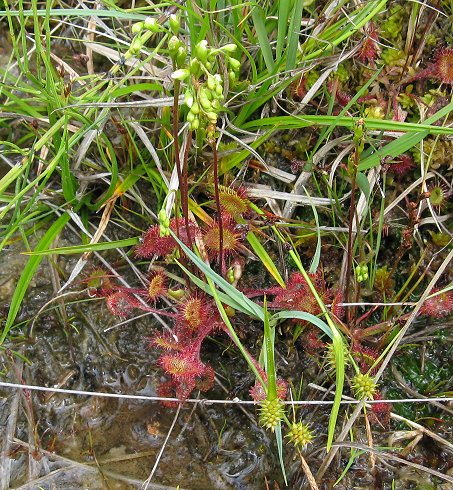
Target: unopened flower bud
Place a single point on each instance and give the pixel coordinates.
(229, 48)
(136, 46)
(211, 83)
(190, 116)
(180, 74)
(195, 67)
(234, 63)
(181, 56)
(195, 108)
(138, 27)
(201, 51)
(188, 99)
(212, 116)
(205, 103)
(173, 45)
(194, 124)
(151, 24)
(174, 23)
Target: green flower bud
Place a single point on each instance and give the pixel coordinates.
(174, 23)
(208, 65)
(195, 124)
(188, 99)
(173, 45)
(234, 63)
(195, 67)
(232, 76)
(211, 83)
(219, 90)
(181, 56)
(201, 51)
(164, 220)
(205, 103)
(212, 116)
(195, 108)
(206, 93)
(216, 105)
(229, 48)
(138, 27)
(230, 276)
(151, 24)
(136, 46)
(176, 293)
(190, 116)
(180, 74)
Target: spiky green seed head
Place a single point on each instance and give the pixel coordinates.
(363, 386)
(299, 434)
(271, 413)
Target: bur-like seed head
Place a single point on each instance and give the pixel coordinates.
(299, 434)
(363, 386)
(271, 413)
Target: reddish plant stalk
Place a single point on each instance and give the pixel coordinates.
(352, 213)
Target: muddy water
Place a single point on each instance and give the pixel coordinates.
(66, 441)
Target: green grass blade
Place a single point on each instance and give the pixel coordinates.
(248, 305)
(260, 251)
(89, 247)
(279, 440)
(233, 334)
(284, 7)
(297, 122)
(258, 17)
(407, 141)
(29, 271)
(206, 288)
(293, 35)
(303, 315)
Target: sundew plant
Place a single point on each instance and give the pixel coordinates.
(249, 202)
